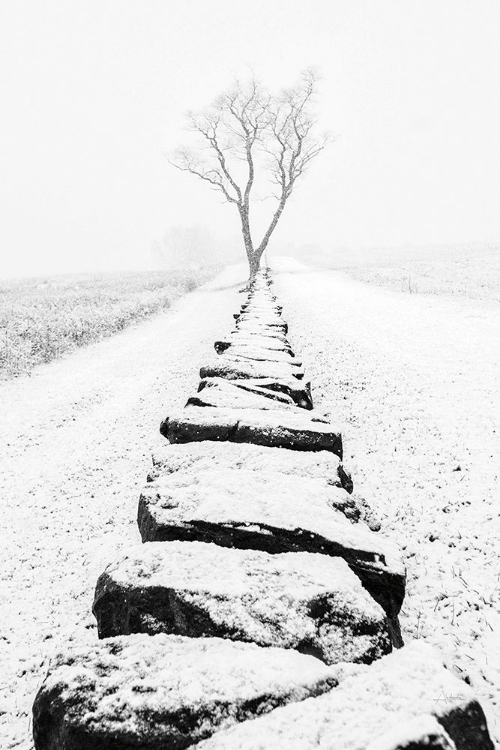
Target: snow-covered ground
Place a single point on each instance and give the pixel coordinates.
(75, 446)
(412, 380)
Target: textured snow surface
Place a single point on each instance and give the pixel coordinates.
(414, 380)
(227, 365)
(257, 340)
(245, 487)
(139, 685)
(249, 498)
(295, 600)
(220, 393)
(425, 730)
(211, 455)
(368, 703)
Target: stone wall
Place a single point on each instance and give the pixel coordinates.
(261, 609)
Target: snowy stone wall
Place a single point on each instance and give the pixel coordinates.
(261, 609)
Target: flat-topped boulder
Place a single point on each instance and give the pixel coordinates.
(227, 394)
(371, 709)
(299, 391)
(246, 386)
(257, 326)
(311, 603)
(275, 429)
(254, 329)
(233, 368)
(248, 351)
(209, 455)
(261, 341)
(157, 692)
(246, 510)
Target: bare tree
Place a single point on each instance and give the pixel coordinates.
(251, 136)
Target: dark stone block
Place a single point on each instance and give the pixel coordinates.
(251, 510)
(311, 603)
(156, 692)
(292, 430)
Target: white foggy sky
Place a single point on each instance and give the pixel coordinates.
(92, 97)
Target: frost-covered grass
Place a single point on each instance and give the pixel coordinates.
(472, 272)
(43, 318)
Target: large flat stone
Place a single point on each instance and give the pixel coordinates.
(245, 510)
(246, 386)
(298, 390)
(226, 394)
(233, 368)
(199, 457)
(158, 692)
(262, 318)
(262, 341)
(247, 351)
(275, 429)
(252, 325)
(370, 709)
(253, 329)
(311, 603)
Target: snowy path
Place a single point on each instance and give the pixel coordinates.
(75, 442)
(415, 381)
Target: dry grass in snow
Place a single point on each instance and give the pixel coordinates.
(76, 441)
(43, 318)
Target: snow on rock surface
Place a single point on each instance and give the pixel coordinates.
(235, 368)
(153, 692)
(414, 379)
(421, 733)
(266, 343)
(209, 454)
(370, 704)
(252, 352)
(189, 489)
(281, 430)
(310, 603)
(245, 509)
(253, 387)
(226, 394)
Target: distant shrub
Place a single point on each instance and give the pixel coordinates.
(44, 318)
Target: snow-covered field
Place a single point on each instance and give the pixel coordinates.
(413, 380)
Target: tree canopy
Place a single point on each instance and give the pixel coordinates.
(251, 137)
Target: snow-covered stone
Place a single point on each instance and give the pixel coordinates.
(262, 341)
(372, 709)
(420, 733)
(298, 391)
(226, 394)
(200, 457)
(253, 329)
(245, 386)
(249, 351)
(311, 603)
(158, 692)
(231, 366)
(275, 429)
(261, 326)
(244, 509)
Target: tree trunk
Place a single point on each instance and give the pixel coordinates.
(254, 263)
